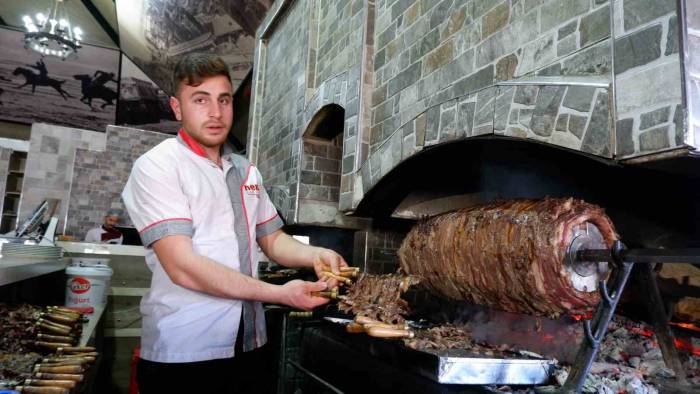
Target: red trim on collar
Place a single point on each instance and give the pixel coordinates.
(192, 144)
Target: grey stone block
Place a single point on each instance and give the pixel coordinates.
(593, 60)
(637, 49)
(653, 118)
(597, 138)
(672, 36)
(480, 7)
(447, 124)
(420, 125)
(525, 116)
(399, 7)
(560, 11)
(513, 117)
(476, 81)
(654, 139)
(595, 26)
(465, 118)
(326, 165)
(546, 109)
(432, 125)
(579, 98)
(387, 35)
(440, 56)
(577, 125)
(639, 12)
(348, 164)
(679, 123)
(408, 146)
(495, 20)
(562, 122)
(311, 177)
(440, 13)
(483, 117)
(567, 29)
(526, 94)
(502, 107)
(566, 46)
(426, 44)
(462, 65)
(505, 68)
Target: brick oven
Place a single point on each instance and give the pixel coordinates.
(370, 114)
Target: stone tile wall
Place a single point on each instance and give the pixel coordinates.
(692, 67)
(647, 76)
(382, 246)
(597, 76)
(322, 67)
(99, 177)
(5, 154)
(49, 167)
(320, 175)
(431, 52)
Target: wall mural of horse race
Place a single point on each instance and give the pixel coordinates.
(142, 103)
(78, 92)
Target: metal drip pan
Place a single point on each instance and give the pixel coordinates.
(449, 366)
(475, 369)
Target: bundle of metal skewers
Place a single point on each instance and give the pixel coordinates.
(39, 353)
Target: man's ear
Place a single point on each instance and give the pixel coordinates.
(175, 105)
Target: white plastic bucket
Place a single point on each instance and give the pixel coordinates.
(87, 286)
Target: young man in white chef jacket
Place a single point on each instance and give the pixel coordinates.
(200, 211)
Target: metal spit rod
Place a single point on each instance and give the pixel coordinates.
(691, 256)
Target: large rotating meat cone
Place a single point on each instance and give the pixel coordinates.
(512, 255)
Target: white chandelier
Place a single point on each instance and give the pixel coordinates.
(52, 34)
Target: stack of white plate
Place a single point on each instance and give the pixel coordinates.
(18, 250)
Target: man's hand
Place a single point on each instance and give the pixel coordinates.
(324, 259)
(297, 294)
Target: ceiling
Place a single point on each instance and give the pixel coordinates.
(230, 25)
(12, 12)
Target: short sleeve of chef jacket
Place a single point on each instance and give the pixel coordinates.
(155, 201)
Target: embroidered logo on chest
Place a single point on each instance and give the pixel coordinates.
(253, 189)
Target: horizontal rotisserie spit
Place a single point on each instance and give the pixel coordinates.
(512, 255)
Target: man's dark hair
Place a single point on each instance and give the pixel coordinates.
(195, 67)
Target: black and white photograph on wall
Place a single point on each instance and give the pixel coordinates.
(142, 103)
(155, 34)
(79, 92)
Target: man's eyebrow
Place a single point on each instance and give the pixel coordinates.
(196, 92)
(227, 94)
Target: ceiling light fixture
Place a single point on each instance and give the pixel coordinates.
(52, 34)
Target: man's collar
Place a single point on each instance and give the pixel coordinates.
(194, 146)
(191, 143)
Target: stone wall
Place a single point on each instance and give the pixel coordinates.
(99, 177)
(692, 68)
(594, 76)
(5, 154)
(320, 175)
(49, 167)
(647, 77)
(375, 250)
(321, 67)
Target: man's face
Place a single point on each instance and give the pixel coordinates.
(206, 111)
(111, 221)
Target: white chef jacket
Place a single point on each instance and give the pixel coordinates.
(94, 235)
(175, 189)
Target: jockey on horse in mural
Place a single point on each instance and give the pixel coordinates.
(93, 87)
(41, 79)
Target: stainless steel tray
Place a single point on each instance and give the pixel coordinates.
(455, 366)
